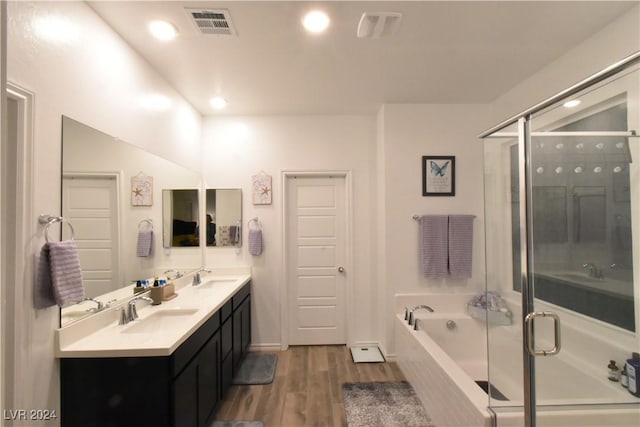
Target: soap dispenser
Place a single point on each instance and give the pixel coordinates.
(633, 372)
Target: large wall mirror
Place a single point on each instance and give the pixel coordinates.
(99, 199)
(224, 217)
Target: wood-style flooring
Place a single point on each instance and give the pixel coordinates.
(306, 390)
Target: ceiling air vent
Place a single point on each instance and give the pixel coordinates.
(375, 25)
(212, 21)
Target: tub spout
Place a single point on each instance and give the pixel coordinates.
(418, 307)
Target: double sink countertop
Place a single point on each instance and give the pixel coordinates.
(159, 329)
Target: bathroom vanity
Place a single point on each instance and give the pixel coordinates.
(169, 367)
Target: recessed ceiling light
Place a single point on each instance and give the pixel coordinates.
(571, 104)
(218, 102)
(163, 30)
(316, 21)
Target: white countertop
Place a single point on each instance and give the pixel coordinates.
(100, 335)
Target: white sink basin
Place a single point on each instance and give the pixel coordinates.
(161, 319)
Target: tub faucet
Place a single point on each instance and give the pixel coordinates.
(594, 271)
(418, 307)
(415, 325)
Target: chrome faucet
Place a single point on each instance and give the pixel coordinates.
(197, 279)
(594, 271)
(173, 270)
(99, 303)
(418, 307)
(132, 313)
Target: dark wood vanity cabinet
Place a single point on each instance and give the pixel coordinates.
(180, 390)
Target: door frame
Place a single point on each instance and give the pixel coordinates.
(286, 177)
(17, 263)
(119, 209)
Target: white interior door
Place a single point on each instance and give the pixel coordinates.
(316, 246)
(91, 205)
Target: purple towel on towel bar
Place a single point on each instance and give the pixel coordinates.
(433, 236)
(460, 246)
(255, 242)
(66, 275)
(59, 277)
(43, 292)
(145, 243)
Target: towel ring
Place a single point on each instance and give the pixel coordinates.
(148, 221)
(256, 220)
(47, 220)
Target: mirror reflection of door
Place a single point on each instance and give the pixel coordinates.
(180, 218)
(224, 217)
(90, 203)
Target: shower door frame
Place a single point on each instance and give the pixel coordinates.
(524, 134)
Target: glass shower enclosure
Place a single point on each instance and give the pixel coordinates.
(562, 209)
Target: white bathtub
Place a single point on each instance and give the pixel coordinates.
(443, 364)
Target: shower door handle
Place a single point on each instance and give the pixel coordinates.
(556, 332)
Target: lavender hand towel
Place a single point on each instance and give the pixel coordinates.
(434, 237)
(255, 242)
(66, 275)
(460, 246)
(43, 291)
(145, 243)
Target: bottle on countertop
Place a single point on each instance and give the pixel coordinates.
(614, 371)
(633, 372)
(624, 378)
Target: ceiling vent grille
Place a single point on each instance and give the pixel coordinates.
(375, 25)
(212, 21)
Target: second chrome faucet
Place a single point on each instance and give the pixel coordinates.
(131, 314)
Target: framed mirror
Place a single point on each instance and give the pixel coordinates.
(100, 176)
(224, 217)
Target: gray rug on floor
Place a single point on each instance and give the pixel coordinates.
(383, 404)
(257, 368)
(237, 424)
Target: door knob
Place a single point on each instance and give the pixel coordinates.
(341, 269)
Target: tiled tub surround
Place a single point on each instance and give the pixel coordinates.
(99, 335)
(443, 365)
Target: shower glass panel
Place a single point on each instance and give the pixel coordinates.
(562, 206)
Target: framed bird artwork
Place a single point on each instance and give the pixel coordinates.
(438, 175)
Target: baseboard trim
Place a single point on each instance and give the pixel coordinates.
(265, 347)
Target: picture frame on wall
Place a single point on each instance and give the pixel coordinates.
(438, 175)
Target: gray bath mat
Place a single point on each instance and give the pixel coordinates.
(237, 424)
(383, 404)
(257, 368)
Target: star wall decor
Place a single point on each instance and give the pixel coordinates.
(261, 189)
(141, 190)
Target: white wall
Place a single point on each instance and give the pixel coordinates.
(274, 144)
(94, 77)
(408, 133)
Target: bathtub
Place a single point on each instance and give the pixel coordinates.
(443, 364)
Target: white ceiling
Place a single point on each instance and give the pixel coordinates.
(443, 52)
